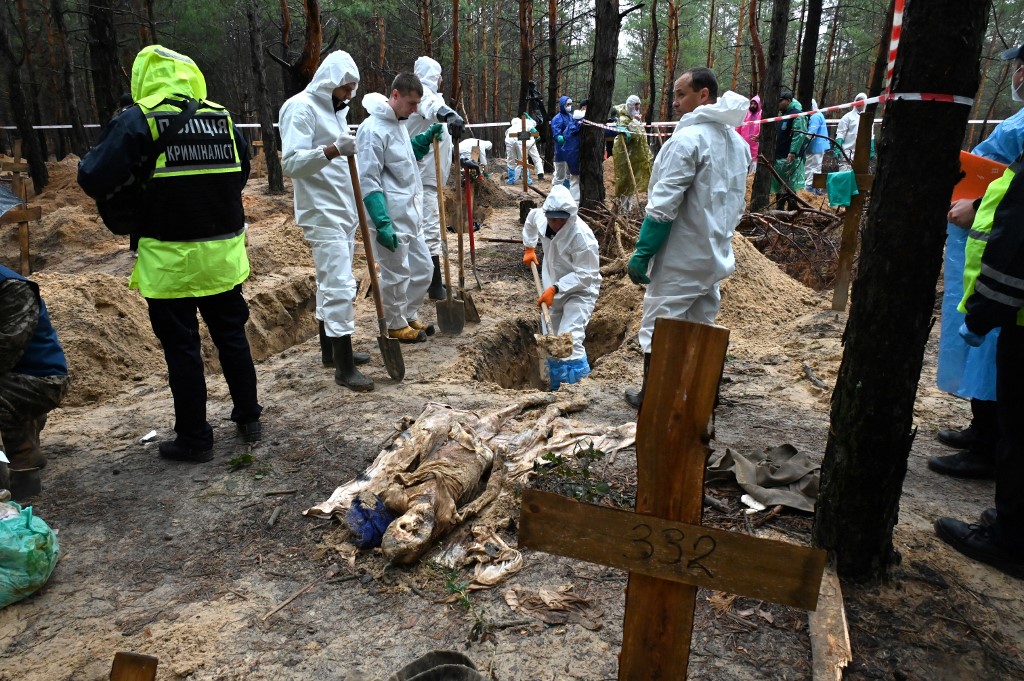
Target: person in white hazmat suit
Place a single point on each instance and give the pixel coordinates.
(315, 141)
(694, 202)
(514, 151)
(392, 193)
(571, 276)
(467, 146)
(846, 132)
(432, 109)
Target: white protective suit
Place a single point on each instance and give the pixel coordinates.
(324, 205)
(466, 149)
(633, 107)
(847, 130)
(387, 164)
(698, 183)
(571, 262)
(429, 73)
(514, 149)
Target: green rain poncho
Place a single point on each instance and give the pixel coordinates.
(636, 150)
(790, 140)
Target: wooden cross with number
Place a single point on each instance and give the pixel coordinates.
(664, 547)
(21, 214)
(524, 137)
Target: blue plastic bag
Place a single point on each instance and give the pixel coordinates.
(28, 554)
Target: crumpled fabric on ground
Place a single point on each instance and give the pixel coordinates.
(781, 476)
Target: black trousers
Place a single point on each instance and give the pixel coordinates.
(1009, 530)
(176, 325)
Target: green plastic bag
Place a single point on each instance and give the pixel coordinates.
(28, 553)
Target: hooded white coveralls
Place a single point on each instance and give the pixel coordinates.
(849, 124)
(324, 205)
(429, 73)
(387, 164)
(466, 147)
(514, 149)
(571, 262)
(698, 183)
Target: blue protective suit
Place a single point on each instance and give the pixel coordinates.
(563, 124)
(962, 370)
(816, 125)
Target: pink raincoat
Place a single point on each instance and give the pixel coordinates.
(749, 133)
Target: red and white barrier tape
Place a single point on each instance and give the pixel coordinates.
(894, 43)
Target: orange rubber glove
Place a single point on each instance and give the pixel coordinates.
(530, 255)
(548, 297)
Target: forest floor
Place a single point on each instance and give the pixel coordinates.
(181, 562)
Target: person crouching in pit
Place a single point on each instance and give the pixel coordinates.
(570, 274)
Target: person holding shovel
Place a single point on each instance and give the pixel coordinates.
(431, 109)
(392, 193)
(571, 276)
(314, 140)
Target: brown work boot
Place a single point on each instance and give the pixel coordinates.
(420, 326)
(408, 335)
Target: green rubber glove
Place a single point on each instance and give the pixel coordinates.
(837, 150)
(423, 142)
(872, 148)
(561, 140)
(377, 207)
(653, 235)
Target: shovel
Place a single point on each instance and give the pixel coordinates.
(472, 228)
(390, 349)
(471, 312)
(559, 346)
(451, 313)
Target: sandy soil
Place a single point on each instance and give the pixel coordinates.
(180, 561)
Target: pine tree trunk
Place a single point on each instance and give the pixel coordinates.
(12, 62)
(770, 90)
(828, 55)
(79, 140)
(652, 55)
(873, 403)
(525, 52)
(264, 111)
(671, 53)
(739, 46)
(756, 52)
(425, 37)
(103, 59)
(809, 53)
(711, 34)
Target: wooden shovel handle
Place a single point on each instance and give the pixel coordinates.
(444, 220)
(543, 306)
(371, 262)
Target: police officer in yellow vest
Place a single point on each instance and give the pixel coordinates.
(994, 297)
(192, 237)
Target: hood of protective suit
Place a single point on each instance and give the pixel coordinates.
(730, 110)
(756, 100)
(428, 71)
(376, 104)
(517, 126)
(620, 109)
(814, 105)
(159, 72)
(561, 104)
(561, 199)
(336, 70)
(633, 105)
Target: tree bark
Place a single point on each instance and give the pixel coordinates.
(809, 53)
(796, 62)
(264, 111)
(770, 90)
(79, 140)
(456, 73)
(711, 34)
(872, 405)
(525, 51)
(19, 108)
(549, 149)
(652, 56)
(107, 86)
(425, 25)
(671, 53)
(739, 46)
(495, 64)
(756, 51)
(828, 55)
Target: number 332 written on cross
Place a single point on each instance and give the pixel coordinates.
(672, 547)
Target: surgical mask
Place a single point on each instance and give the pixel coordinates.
(568, 107)
(1018, 91)
(577, 115)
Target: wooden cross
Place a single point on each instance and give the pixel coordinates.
(524, 137)
(21, 214)
(851, 224)
(664, 547)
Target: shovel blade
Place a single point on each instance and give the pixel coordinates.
(391, 351)
(451, 316)
(471, 312)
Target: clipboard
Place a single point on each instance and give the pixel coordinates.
(978, 174)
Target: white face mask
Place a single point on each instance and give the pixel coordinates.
(1018, 91)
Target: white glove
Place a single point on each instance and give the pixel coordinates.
(345, 144)
(577, 115)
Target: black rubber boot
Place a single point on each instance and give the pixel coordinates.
(636, 397)
(436, 290)
(345, 372)
(327, 352)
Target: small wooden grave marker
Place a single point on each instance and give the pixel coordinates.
(133, 667)
(524, 137)
(21, 214)
(668, 553)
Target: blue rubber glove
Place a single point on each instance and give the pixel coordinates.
(837, 150)
(560, 139)
(377, 207)
(653, 235)
(971, 338)
(423, 142)
(872, 149)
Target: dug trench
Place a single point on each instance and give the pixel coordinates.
(191, 563)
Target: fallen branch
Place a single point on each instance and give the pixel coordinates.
(812, 378)
(289, 600)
